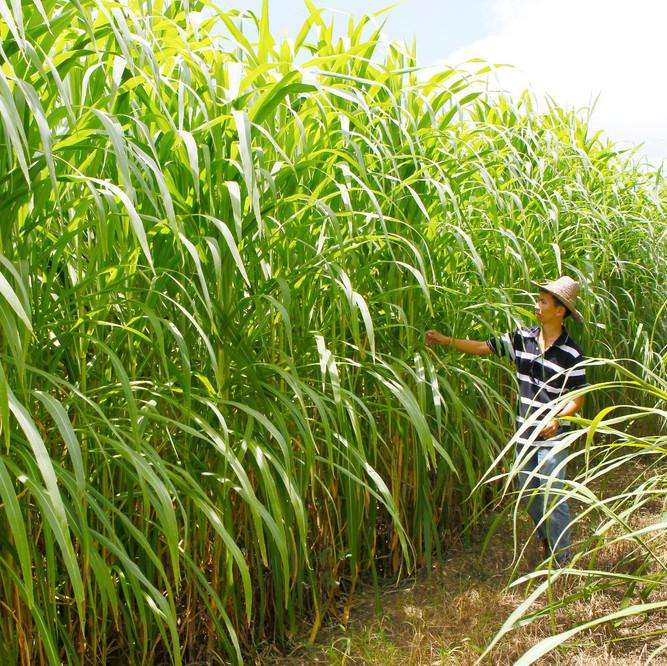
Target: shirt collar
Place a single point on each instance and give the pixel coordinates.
(534, 332)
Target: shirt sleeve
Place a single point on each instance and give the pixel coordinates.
(503, 345)
(576, 376)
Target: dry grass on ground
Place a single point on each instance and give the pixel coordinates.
(448, 615)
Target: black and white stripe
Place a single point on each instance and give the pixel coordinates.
(542, 377)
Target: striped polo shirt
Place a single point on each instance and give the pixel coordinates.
(541, 377)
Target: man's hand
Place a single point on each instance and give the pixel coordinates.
(434, 338)
(550, 429)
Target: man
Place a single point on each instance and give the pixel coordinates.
(545, 357)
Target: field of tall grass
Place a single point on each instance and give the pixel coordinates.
(218, 255)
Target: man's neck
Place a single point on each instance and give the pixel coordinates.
(552, 330)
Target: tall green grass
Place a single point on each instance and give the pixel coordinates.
(219, 253)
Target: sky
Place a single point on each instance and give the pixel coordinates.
(611, 52)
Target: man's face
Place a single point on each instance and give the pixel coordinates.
(546, 309)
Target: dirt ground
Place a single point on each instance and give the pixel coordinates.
(448, 615)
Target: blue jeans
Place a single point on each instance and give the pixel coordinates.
(555, 528)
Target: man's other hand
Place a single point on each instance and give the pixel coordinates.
(550, 429)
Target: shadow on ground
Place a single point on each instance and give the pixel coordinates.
(449, 614)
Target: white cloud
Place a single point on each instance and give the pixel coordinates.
(574, 50)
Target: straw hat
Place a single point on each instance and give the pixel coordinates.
(565, 289)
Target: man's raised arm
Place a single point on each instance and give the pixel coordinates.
(477, 347)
